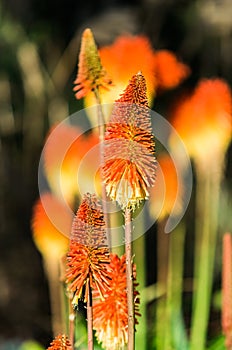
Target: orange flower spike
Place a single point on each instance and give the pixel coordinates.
(60, 163)
(163, 196)
(129, 54)
(91, 75)
(64, 150)
(227, 289)
(126, 56)
(203, 120)
(51, 225)
(129, 162)
(170, 72)
(88, 254)
(61, 342)
(110, 316)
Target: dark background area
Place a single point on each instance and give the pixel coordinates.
(199, 32)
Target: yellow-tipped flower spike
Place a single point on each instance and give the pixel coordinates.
(91, 75)
(129, 162)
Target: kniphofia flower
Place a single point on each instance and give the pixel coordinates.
(110, 315)
(129, 162)
(61, 342)
(91, 75)
(168, 190)
(88, 253)
(227, 289)
(129, 54)
(65, 149)
(170, 72)
(203, 120)
(51, 225)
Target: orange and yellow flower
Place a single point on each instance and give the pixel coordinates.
(168, 190)
(91, 75)
(130, 54)
(203, 120)
(51, 226)
(64, 151)
(170, 72)
(110, 315)
(88, 253)
(61, 342)
(129, 162)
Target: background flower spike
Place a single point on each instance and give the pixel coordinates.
(90, 74)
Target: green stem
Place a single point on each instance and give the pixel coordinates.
(162, 271)
(52, 268)
(175, 288)
(90, 318)
(71, 324)
(139, 250)
(101, 133)
(129, 279)
(199, 223)
(204, 274)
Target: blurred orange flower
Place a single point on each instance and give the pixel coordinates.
(88, 254)
(51, 226)
(61, 342)
(91, 74)
(110, 315)
(203, 120)
(64, 151)
(167, 191)
(169, 70)
(129, 162)
(130, 54)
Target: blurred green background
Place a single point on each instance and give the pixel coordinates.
(39, 45)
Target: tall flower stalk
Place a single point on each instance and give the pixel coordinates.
(129, 166)
(204, 119)
(50, 234)
(91, 77)
(168, 191)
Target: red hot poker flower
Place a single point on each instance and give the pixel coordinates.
(203, 120)
(51, 231)
(88, 254)
(61, 342)
(129, 162)
(91, 74)
(110, 316)
(166, 195)
(129, 54)
(169, 70)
